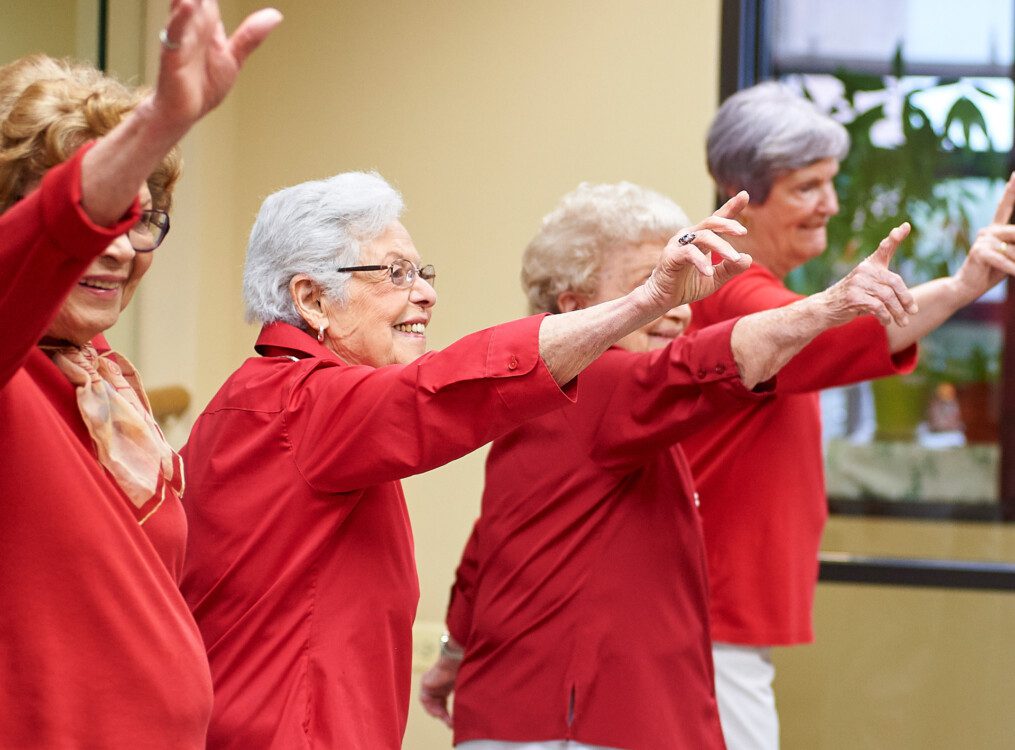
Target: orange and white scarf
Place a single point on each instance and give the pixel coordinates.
(115, 409)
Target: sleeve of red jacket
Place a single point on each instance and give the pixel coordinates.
(630, 403)
(46, 243)
(850, 353)
(459, 617)
(355, 426)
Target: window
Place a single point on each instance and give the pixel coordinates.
(929, 106)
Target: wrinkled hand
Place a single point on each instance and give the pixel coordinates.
(436, 686)
(992, 255)
(196, 76)
(685, 272)
(872, 289)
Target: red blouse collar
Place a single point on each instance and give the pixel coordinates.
(284, 340)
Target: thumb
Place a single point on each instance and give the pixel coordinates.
(254, 30)
(887, 247)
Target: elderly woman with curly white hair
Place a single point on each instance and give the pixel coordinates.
(580, 601)
(300, 567)
(760, 472)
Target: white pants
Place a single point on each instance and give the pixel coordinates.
(544, 745)
(743, 688)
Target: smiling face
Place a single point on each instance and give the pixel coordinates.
(105, 288)
(624, 269)
(381, 324)
(790, 227)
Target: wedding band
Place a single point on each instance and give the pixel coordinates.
(1001, 247)
(686, 239)
(164, 41)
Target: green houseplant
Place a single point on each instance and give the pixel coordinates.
(879, 187)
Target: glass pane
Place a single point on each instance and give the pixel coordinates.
(863, 35)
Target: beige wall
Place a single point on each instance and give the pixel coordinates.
(483, 114)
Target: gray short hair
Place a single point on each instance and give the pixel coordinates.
(312, 228)
(765, 131)
(566, 253)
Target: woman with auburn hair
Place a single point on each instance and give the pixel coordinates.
(99, 648)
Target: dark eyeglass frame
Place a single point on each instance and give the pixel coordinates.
(428, 273)
(151, 218)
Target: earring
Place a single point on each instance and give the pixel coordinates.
(320, 333)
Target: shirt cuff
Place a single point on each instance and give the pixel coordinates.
(711, 360)
(525, 383)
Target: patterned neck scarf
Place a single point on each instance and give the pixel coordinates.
(116, 412)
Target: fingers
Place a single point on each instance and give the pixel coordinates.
(254, 30)
(1005, 207)
(676, 256)
(707, 241)
(996, 252)
(179, 22)
(732, 208)
(436, 707)
(719, 225)
(730, 268)
(886, 249)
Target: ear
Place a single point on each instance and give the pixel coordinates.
(307, 295)
(569, 301)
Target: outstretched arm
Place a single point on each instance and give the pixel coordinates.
(989, 261)
(765, 341)
(195, 74)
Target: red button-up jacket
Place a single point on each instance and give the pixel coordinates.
(300, 567)
(761, 473)
(581, 598)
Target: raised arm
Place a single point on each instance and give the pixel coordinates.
(569, 342)
(198, 67)
(989, 261)
(765, 341)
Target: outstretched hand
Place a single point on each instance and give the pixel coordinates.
(685, 272)
(872, 289)
(199, 63)
(992, 255)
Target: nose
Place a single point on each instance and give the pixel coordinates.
(830, 200)
(681, 315)
(422, 293)
(119, 250)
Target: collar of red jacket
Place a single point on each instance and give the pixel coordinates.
(284, 340)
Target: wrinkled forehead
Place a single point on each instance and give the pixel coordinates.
(394, 242)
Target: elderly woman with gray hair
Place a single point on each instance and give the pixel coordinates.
(579, 616)
(760, 471)
(300, 567)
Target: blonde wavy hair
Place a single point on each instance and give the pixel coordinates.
(49, 108)
(590, 221)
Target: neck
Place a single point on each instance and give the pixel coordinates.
(762, 254)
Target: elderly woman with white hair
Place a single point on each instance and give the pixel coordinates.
(300, 567)
(580, 605)
(760, 472)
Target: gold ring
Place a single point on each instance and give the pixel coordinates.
(1001, 247)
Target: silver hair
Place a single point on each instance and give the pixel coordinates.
(313, 228)
(566, 253)
(765, 131)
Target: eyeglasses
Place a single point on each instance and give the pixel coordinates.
(151, 228)
(402, 272)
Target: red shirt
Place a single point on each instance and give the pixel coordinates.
(300, 565)
(98, 647)
(760, 472)
(581, 596)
